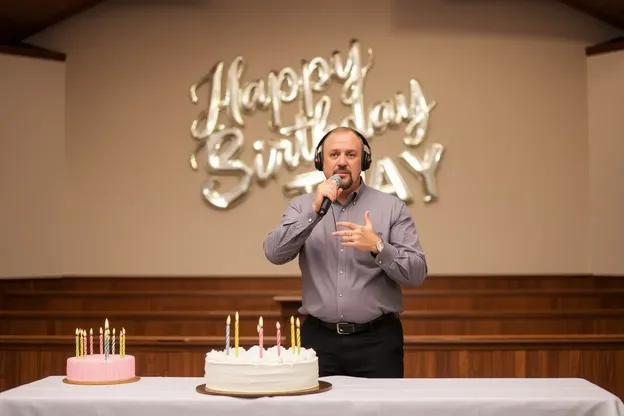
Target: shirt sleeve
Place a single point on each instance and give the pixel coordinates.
(284, 242)
(402, 257)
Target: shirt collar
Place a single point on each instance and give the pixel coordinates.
(358, 192)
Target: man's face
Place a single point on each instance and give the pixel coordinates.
(342, 154)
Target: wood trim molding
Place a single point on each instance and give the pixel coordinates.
(176, 314)
(517, 342)
(411, 342)
(612, 45)
(420, 314)
(32, 52)
(295, 296)
(287, 277)
(410, 292)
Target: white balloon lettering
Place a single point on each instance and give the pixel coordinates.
(426, 169)
(222, 148)
(218, 127)
(386, 178)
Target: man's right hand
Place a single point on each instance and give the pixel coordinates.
(327, 188)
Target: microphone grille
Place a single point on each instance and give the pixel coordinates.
(337, 179)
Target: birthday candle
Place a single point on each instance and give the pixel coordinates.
(77, 344)
(261, 336)
(113, 344)
(279, 337)
(298, 337)
(292, 333)
(236, 334)
(106, 341)
(81, 342)
(91, 341)
(84, 343)
(122, 342)
(101, 342)
(227, 336)
(260, 347)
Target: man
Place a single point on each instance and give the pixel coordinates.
(353, 263)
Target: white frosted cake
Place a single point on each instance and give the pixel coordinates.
(248, 373)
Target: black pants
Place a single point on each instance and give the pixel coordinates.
(375, 353)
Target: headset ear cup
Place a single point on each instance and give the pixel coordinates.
(366, 155)
(318, 157)
(318, 161)
(365, 162)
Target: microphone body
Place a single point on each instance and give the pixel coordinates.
(326, 201)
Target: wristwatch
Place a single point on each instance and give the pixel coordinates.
(379, 246)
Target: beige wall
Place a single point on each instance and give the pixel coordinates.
(32, 156)
(510, 82)
(605, 86)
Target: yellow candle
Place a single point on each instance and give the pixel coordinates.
(292, 334)
(298, 337)
(81, 342)
(122, 342)
(236, 334)
(77, 344)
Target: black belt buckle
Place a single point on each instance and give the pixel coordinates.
(344, 328)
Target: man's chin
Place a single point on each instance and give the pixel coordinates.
(346, 184)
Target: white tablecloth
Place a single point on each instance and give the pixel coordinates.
(161, 396)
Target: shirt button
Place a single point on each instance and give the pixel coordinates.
(309, 219)
(341, 270)
(342, 249)
(379, 263)
(340, 295)
(343, 210)
(341, 316)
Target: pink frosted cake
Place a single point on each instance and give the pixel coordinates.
(99, 369)
(106, 367)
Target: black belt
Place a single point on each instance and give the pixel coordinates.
(348, 328)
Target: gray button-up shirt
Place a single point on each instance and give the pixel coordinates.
(345, 284)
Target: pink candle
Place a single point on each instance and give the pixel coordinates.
(260, 336)
(91, 341)
(279, 337)
(101, 342)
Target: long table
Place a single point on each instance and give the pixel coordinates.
(163, 396)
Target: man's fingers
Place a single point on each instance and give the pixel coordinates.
(344, 233)
(348, 225)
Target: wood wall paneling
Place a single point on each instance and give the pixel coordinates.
(455, 326)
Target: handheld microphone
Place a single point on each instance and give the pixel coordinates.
(326, 201)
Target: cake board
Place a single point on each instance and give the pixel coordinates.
(322, 387)
(101, 383)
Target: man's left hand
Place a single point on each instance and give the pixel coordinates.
(362, 237)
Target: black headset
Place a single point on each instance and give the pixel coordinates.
(366, 152)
